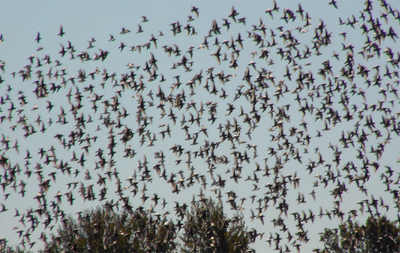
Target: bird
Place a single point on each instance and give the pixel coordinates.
(195, 10)
(140, 30)
(38, 38)
(144, 19)
(61, 32)
(217, 54)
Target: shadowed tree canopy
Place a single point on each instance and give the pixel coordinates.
(8, 249)
(100, 230)
(207, 229)
(377, 235)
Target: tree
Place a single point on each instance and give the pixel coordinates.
(377, 235)
(4, 248)
(100, 230)
(207, 229)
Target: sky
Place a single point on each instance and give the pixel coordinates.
(103, 24)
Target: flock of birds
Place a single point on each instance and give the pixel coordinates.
(209, 122)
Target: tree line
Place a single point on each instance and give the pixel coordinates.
(204, 227)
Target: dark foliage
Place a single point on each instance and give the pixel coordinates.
(100, 230)
(377, 235)
(207, 229)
